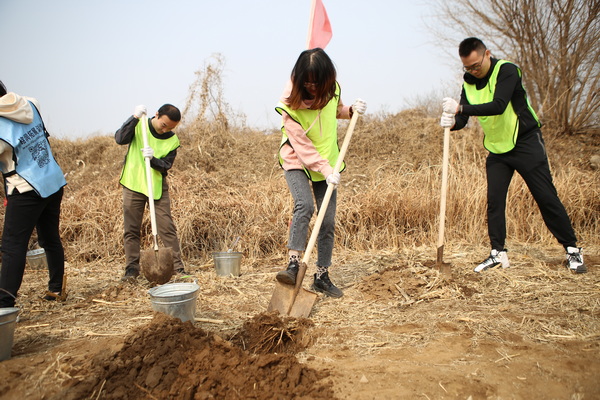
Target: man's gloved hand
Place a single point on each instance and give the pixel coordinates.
(333, 179)
(447, 120)
(450, 105)
(139, 111)
(359, 106)
(148, 152)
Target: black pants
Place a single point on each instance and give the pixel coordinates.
(24, 212)
(530, 160)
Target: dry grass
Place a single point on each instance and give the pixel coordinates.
(228, 183)
(393, 299)
(392, 302)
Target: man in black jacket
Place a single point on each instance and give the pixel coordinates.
(494, 93)
(162, 150)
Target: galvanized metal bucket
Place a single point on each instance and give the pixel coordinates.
(8, 323)
(36, 259)
(175, 299)
(228, 263)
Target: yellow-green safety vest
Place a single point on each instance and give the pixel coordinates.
(500, 131)
(322, 133)
(133, 175)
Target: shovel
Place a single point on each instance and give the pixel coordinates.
(440, 265)
(296, 301)
(156, 264)
(230, 250)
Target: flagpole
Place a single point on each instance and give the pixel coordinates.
(311, 18)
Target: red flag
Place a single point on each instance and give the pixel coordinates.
(319, 27)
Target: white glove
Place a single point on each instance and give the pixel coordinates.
(359, 106)
(139, 111)
(450, 105)
(148, 152)
(447, 120)
(333, 179)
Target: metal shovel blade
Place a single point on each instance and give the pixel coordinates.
(157, 265)
(293, 300)
(283, 298)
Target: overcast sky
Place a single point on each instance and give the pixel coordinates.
(89, 63)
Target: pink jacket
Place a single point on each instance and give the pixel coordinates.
(300, 152)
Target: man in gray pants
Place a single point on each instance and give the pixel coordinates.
(162, 150)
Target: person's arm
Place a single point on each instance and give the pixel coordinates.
(343, 112)
(508, 78)
(304, 148)
(126, 133)
(164, 164)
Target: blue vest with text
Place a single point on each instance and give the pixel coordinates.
(34, 161)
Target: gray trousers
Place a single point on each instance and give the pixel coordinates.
(304, 207)
(133, 211)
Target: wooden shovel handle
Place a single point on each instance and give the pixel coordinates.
(329, 192)
(321, 214)
(144, 121)
(445, 158)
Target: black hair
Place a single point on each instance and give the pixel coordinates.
(170, 111)
(316, 67)
(3, 90)
(470, 44)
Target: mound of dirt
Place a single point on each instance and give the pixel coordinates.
(408, 284)
(168, 359)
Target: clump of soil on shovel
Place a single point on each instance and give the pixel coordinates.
(157, 266)
(268, 332)
(168, 359)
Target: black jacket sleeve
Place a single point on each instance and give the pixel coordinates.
(163, 165)
(507, 83)
(125, 134)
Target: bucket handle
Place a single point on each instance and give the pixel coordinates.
(11, 295)
(173, 303)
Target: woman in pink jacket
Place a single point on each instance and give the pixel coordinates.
(309, 150)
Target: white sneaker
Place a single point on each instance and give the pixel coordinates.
(496, 258)
(575, 260)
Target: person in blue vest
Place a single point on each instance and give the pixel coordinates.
(33, 184)
(162, 150)
(493, 92)
(310, 107)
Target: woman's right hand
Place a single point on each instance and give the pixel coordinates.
(359, 106)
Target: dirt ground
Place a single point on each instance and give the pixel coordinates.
(403, 330)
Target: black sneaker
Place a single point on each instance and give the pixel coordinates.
(289, 275)
(495, 259)
(130, 275)
(325, 286)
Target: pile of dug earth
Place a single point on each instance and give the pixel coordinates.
(168, 359)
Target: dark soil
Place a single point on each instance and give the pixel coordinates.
(168, 359)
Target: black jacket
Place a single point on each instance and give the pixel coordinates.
(126, 133)
(509, 87)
